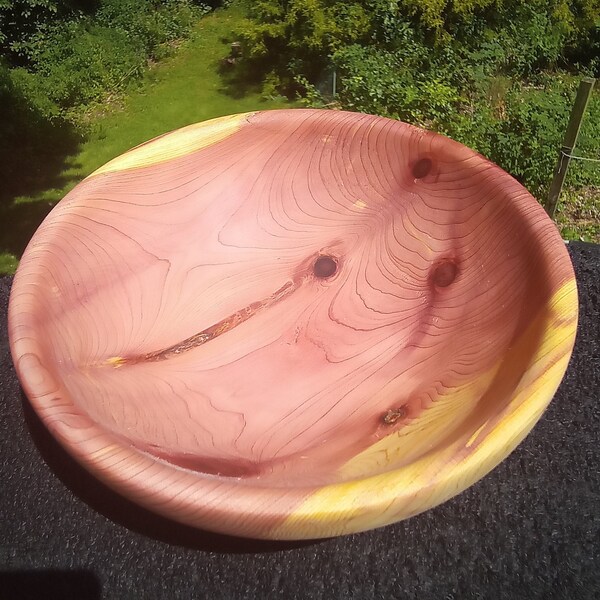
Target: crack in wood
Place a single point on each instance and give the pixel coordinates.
(210, 333)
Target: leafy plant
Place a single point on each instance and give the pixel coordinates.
(149, 22)
(296, 37)
(80, 61)
(68, 64)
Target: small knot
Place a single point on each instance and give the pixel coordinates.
(444, 273)
(324, 267)
(422, 168)
(393, 415)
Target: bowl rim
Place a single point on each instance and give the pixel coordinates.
(334, 509)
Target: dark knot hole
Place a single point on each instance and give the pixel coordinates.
(422, 168)
(444, 273)
(324, 267)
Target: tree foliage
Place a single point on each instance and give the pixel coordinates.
(293, 37)
(21, 19)
(66, 54)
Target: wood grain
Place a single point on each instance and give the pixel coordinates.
(293, 323)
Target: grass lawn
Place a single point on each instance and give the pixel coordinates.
(183, 89)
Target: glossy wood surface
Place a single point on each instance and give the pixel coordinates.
(295, 323)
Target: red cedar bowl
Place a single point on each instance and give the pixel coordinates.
(293, 324)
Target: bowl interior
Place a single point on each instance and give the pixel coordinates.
(273, 297)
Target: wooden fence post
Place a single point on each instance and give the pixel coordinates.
(570, 140)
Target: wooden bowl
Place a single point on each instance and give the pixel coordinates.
(293, 324)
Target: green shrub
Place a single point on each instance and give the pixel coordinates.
(80, 61)
(73, 63)
(149, 22)
(296, 37)
(21, 19)
(522, 132)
